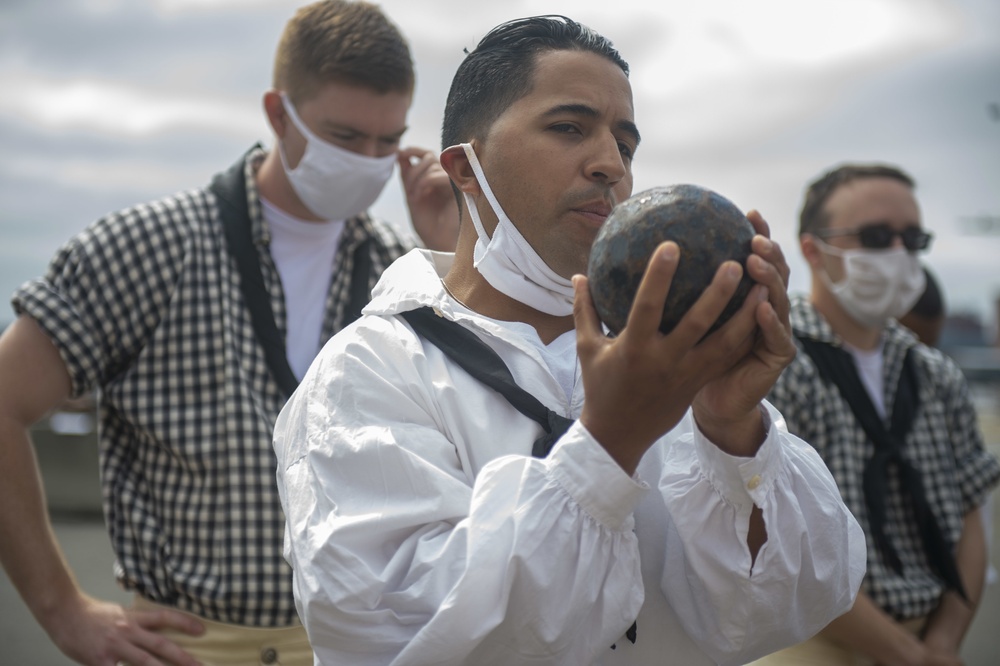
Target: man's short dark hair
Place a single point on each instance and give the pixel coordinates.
(500, 70)
(814, 217)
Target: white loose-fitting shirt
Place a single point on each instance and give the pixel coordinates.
(421, 531)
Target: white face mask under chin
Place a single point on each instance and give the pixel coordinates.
(334, 183)
(877, 284)
(509, 263)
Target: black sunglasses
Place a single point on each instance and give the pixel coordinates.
(880, 236)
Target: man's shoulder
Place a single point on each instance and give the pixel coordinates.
(170, 218)
(183, 207)
(937, 366)
(807, 321)
(375, 347)
(186, 207)
(159, 225)
(799, 379)
(385, 234)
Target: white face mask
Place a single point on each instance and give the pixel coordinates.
(332, 182)
(877, 284)
(509, 263)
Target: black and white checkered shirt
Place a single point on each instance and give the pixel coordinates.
(945, 445)
(145, 306)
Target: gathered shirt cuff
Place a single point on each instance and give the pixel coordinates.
(591, 476)
(741, 479)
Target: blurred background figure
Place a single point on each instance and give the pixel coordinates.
(191, 318)
(927, 316)
(894, 421)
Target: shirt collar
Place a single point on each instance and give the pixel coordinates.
(808, 322)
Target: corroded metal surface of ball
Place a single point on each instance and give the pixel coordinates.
(707, 227)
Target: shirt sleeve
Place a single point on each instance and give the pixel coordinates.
(103, 292)
(807, 572)
(978, 470)
(399, 557)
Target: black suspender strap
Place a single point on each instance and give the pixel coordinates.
(475, 357)
(836, 366)
(229, 188)
(360, 292)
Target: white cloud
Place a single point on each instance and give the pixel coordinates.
(114, 108)
(751, 98)
(176, 6)
(735, 71)
(715, 72)
(101, 173)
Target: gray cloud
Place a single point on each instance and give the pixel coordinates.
(755, 124)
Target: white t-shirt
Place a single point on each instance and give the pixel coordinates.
(869, 364)
(305, 255)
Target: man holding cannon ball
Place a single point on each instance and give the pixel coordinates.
(634, 501)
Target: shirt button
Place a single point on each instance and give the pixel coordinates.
(753, 482)
(268, 656)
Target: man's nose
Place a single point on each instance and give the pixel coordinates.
(607, 163)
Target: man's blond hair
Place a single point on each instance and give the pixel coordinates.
(337, 41)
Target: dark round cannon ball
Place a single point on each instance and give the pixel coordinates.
(708, 228)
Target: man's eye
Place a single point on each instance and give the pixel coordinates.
(564, 128)
(626, 150)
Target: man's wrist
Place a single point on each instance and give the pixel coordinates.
(943, 637)
(740, 436)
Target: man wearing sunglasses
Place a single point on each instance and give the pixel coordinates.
(893, 421)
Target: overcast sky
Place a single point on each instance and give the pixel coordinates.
(111, 102)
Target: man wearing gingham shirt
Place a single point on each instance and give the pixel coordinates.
(145, 307)
(892, 419)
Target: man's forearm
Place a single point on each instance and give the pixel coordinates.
(28, 549)
(866, 629)
(950, 621)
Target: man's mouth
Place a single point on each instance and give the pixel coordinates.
(597, 211)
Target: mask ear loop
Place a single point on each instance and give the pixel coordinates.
(293, 114)
(830, 250)
(299, 125)
(477, 169)
(513, 232)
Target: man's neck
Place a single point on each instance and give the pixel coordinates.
(273, 185)
(846, 327)
(470, 288)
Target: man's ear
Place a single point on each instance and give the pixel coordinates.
(274, 109)
(456, 164)
(811, 252)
